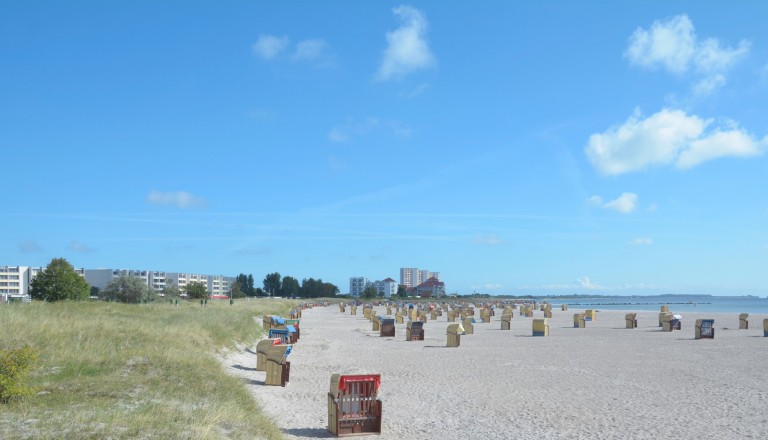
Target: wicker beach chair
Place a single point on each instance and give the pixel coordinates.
(541, 327)
(506, 319)
(278, 368)
(590, 315)
(631, 320)
(454, 332)
(705, 329)
(387, 327)
(353, 406)
(744, 321)
(564, 307)
(414, 331)
(579, 320)
(469, 328)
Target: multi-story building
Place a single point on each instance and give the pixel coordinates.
(386, 288)
(412, 276)
(14, 281)
(220, 285)
(357, 285)
(182, 280)
(101, 278)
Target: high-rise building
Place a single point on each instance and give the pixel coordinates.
(412, 276)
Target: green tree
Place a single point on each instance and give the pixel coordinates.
(171, 291)
(402, 291)
(131, 290)
(370, 292)
(250, 289)
(236, 291)
(290, 287)
(196, 290)
(272, 284)
(59, 281)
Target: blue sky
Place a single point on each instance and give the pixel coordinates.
(515, 147)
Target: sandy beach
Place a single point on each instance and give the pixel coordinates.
(600, 382)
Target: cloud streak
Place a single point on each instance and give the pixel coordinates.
(79, 247)
(179, 199)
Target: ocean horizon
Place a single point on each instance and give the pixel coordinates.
(677, 303)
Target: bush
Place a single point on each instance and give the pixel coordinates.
(15, 364)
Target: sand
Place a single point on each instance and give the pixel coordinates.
(600, 382)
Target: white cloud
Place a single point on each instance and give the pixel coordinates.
(491, 239)
(270, 46)
(674, 46)
(670, 44)
(667, 137)
(595, 200)
(180, 199)
(80, 247)
(625, 203)
(407, 48)
(586, 283)
(29, 246)
(310, 50)
(641, 242)
(338, 135)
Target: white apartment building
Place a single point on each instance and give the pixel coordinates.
(386, 288)
(412, 276)
(357, 285)
(220, 285)
(14, 281)
(181, 279)
(101, 278)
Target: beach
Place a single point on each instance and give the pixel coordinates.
(602, 381)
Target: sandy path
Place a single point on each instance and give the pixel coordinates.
(603, 381)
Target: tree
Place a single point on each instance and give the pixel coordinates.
(59, 281)
(94, 291)
(196, 290)
(170, 290)
(131, 290)
(272, 284)
(370, 292)
(236, 291)
(312, 288)
(290, 287)
(250, 287)
(402, 291)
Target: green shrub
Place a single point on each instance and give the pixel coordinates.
(15, 364)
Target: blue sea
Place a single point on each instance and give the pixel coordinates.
(684, 303)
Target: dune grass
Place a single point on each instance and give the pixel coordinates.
(110, 370)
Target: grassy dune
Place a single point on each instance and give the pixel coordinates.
(109, 370)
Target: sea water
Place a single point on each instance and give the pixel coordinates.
(683, 303)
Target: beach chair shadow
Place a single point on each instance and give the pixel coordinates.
(309, 432)
(248, 350)
(256, 382)
(240, 367)
(435, 346)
